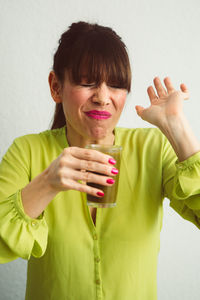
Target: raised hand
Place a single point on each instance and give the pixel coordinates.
(166, 104)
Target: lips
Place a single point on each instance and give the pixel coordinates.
(98, 114)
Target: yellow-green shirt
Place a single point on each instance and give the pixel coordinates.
(70, 258)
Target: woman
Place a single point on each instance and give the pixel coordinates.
(75, 252)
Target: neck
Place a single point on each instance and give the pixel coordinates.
(82, 141)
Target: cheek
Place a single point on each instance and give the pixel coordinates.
(121, 101)
(79, 97)
(74, 99)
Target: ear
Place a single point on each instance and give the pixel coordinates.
(55, 87)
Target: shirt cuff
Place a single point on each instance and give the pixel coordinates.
(195, 158)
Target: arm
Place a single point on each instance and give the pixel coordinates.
(38, 188)
(22, 202)
(20, 235)
(181, 173)
(181, 183)
(180, 135)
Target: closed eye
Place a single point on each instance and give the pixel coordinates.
(115, 87)
(87, 85)
(93, 85)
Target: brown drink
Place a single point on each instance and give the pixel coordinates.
(110, 192)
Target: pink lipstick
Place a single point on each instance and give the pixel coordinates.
(98, 114)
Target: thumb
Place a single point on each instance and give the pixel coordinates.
(139, 110)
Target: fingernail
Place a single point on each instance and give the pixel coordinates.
(112, 161)
(100, 194)
(114, 171)
(111, 181)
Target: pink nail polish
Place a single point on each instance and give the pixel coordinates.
(114, 171)
(100, 194)
(112, 161)
(111, 181)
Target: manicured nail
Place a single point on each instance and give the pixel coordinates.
(114, 171)
(112, 161)
(111, 181)
(100, 194)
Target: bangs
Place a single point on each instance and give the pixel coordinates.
(100, 58)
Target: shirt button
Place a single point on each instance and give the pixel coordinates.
(180, 167)
(34, 224)
(98, 281)
(97, 259)
(95, 237)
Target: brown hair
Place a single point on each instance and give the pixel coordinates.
(94, 51)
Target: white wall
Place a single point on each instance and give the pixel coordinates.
(162, 38)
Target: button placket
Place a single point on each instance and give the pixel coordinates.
(94, 233)
(97, 260)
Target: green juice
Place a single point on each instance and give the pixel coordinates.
(110, 192)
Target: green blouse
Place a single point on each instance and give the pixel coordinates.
(70, 258)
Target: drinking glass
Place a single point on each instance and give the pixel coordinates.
(110, 192)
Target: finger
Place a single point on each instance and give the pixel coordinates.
(91, 177)
(89, 165)
(152, 94)
(89, 154)
(139, 110)
(159, 87)
(85, 188)
(169, 85)
(185, 90)
(97, 167)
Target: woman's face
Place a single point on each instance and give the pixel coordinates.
(91, 111)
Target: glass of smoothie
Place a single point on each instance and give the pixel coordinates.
(110, 192)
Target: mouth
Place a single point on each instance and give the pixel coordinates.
(98, 115)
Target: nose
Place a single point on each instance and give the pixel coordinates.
(102, 95)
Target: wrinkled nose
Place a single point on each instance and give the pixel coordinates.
(102, 95)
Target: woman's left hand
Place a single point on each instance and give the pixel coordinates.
(167, 104)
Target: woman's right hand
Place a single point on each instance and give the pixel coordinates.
(77, 164)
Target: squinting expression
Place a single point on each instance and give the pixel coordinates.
(92, 111)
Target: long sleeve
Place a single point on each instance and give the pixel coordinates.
(181, 183)
(20, 235)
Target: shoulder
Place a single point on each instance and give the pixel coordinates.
(33, 141)
(143, 144)
(140, 135)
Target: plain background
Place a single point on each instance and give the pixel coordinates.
(163, 39)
